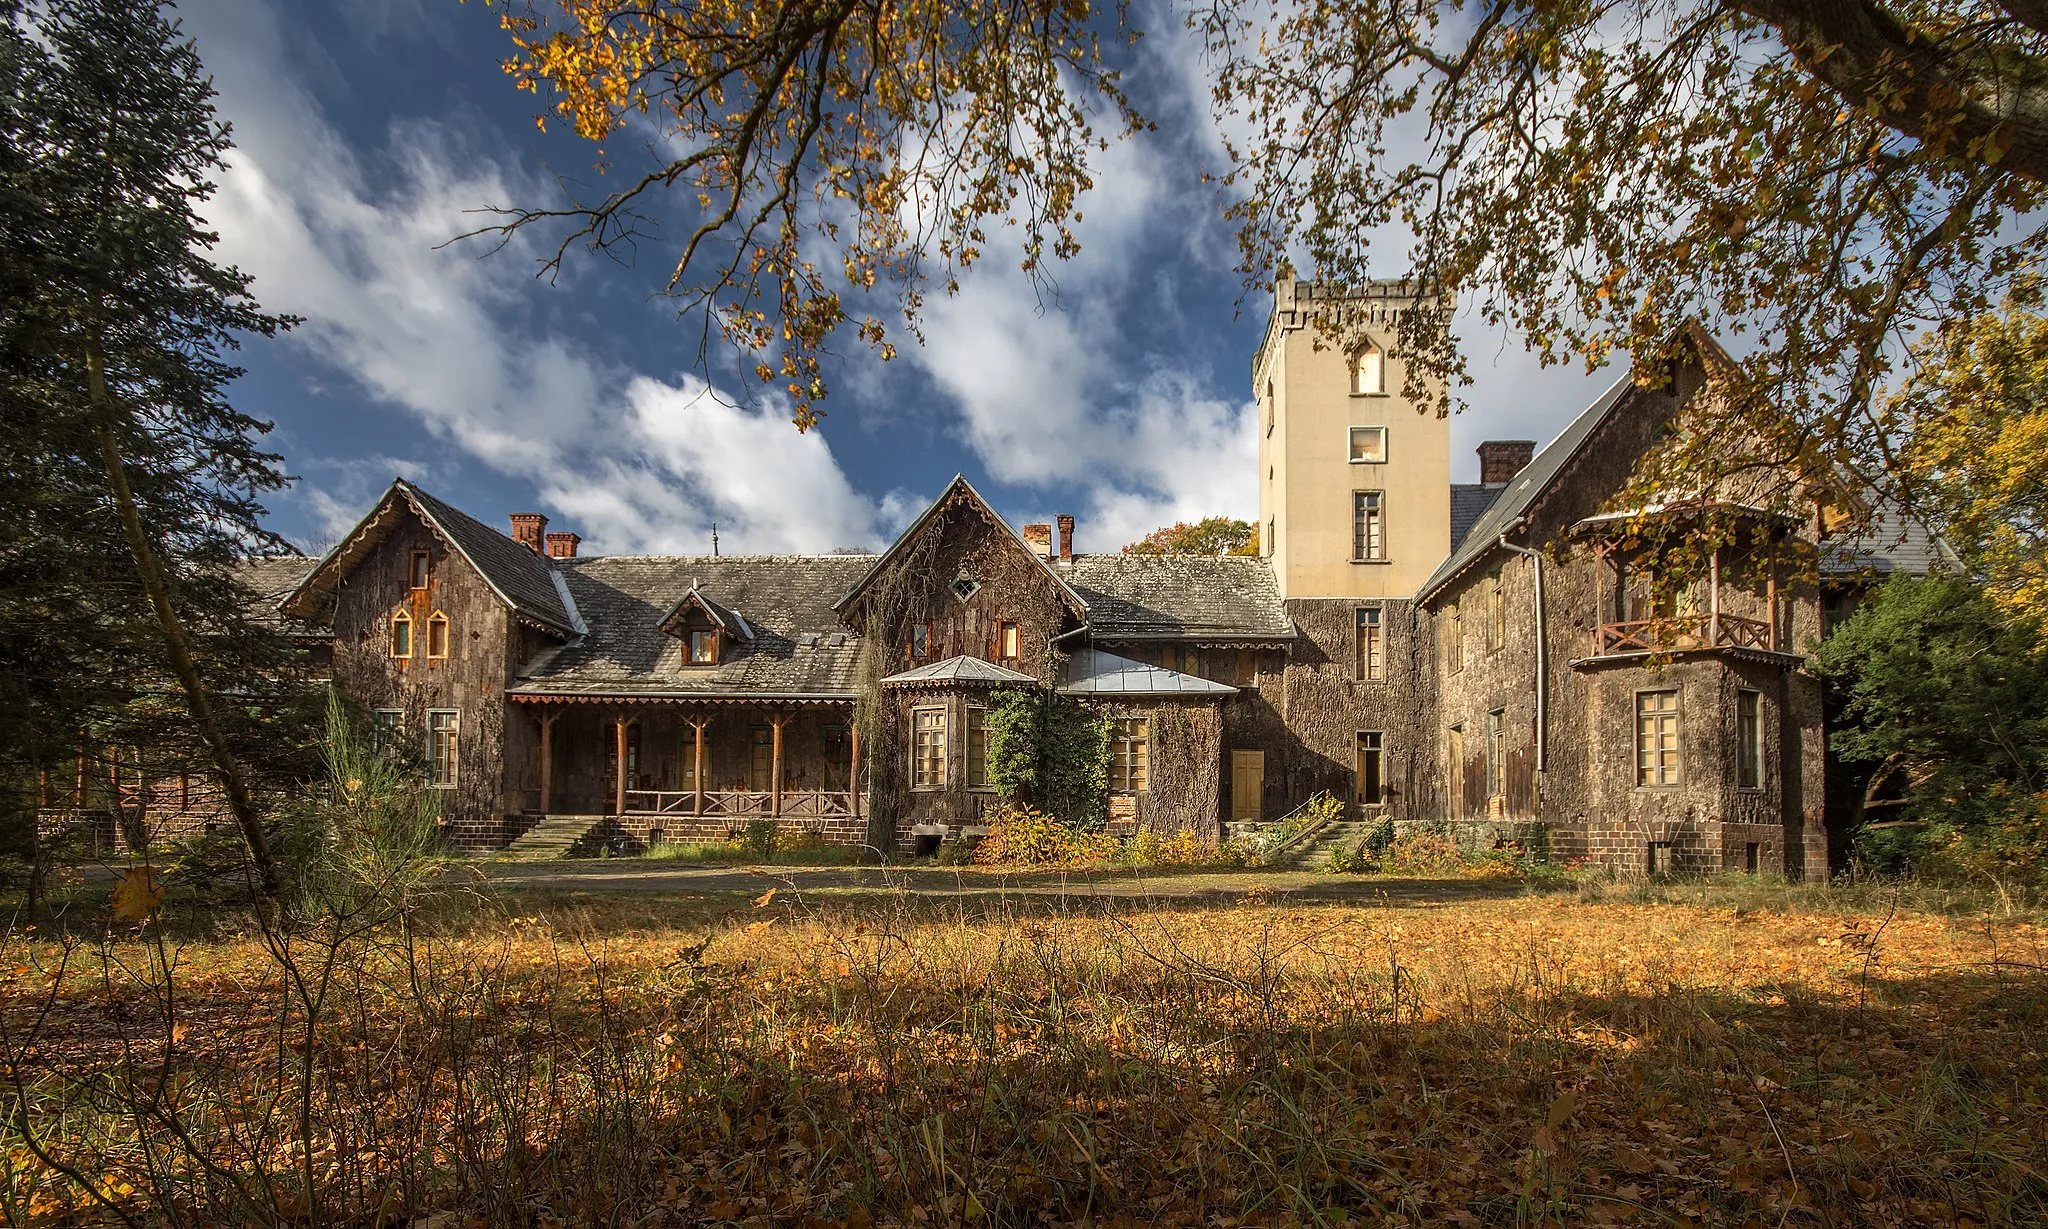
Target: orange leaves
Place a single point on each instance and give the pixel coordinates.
(138, 894)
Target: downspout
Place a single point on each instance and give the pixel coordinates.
(1542, 649)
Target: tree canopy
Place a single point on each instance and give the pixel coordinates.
(1817, 183)
(1212, 535)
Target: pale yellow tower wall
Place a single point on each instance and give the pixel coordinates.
(1307, 480)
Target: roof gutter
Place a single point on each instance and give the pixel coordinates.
(1542, 646)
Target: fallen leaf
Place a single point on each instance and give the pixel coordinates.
(138, 895)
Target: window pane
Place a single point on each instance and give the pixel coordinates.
(1657, 738)
(1368, 526)
(977, 748)
(928, 750)
(1368, 444)
(401, 635)
(1749, 740)
(443, 736)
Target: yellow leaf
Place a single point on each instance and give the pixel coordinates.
(138, 895)
(1561, 1109)
(762, 900)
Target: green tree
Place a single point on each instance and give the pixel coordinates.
(1943, 703)
(131, 484)
(1212, 535)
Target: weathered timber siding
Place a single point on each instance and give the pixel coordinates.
(1181, 794)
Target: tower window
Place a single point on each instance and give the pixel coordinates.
(1368, 371)
(1368, 445)
(401, 634)
(1371, 645)
(1368, 527)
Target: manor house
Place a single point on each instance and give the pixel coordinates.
(1488, 655)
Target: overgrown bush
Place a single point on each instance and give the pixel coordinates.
(1051, 755)
(1356, 859)
(1424, 853)
(1183, 848)
(1024, 836)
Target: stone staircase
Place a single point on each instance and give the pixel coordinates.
(551, 838)
(1314, 853)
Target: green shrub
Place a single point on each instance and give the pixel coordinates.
(1356, 859)
(758, 840)
(1380, 837)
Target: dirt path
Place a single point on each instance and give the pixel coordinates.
(629, 876)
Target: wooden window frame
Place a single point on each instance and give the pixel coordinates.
(399, 618)
(1130, 755)
(440, 620)
(1369, 527)
(1657, 858)
(1351, 446)
(1496, 610)
(1454, 770)
(1749, 742)
(420, 571)
(436, 732)
(1497, 753)
(1370, 746)
(1009, 640)
(918, 741)
(977, 749)
(1369, 651)
(711, 637)
(1454, 638)
(931, 637)
(1676, 714)
(387, 728)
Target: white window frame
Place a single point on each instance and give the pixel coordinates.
(1351, 435)
(1371, 651)
(1369, 379)
(1369, 535)
(435, 761)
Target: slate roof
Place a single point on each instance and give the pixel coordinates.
(1198, 597)
(1095, 673)
(799, 647)
(524, 579)
(1892, 542)
(1521, 493)
(958, 670)
(958, 489)
(1469, 502)
(273, 580)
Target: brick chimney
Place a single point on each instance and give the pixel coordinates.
(1501, 460)
(529, 529)
(1039, 539)
(562, 545)
(1066, 537)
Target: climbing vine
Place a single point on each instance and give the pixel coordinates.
(1049, 753)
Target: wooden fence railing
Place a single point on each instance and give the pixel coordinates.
(727, 803)
(1706, 631)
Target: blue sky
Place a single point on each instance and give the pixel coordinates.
(366, 134)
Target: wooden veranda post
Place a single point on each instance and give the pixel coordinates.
(697, 767)
(1714, 597)
(547, 764)
(853, 768)
(619, 776)
(775, 768)
(1771, 600)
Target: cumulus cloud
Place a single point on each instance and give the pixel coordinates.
(361, 252)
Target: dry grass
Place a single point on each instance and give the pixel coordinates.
(888, 1060)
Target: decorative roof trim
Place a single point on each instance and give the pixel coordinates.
(959, 488)
(727, 619)
(960, 670)
(682, 697)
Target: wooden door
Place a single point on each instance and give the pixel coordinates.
(1247, 784)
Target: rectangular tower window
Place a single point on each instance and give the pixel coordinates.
(1749, 740)
(1656, 738)
(1368, 445)
(1371, 645)
(1370, 766)
(444, 730)
(1130, 755)
(928, 748)
(1272, 531)
(1368, 526)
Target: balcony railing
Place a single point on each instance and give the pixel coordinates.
(1680, 633)
(730, 803)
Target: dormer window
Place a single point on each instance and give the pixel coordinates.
(704, 646)
(1368, 371)
(421, 563)
(401, 635)
(437, 636)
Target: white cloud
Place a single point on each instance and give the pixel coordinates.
(358, 251)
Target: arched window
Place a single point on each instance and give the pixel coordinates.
(437, 635)
(401, 634)
(1368, 370)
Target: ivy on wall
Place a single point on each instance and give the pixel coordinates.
(1049, 753)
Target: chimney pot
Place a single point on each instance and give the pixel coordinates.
(562, 544)
(529, 529)
(1039, 539)
(1066, 523)
(1501, 460)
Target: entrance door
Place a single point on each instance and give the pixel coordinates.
(1247, 784)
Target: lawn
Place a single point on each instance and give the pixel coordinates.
(1714, 1057)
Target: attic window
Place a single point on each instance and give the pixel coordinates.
(704, 646)
(437, 635)
(421, 562)
(966, 587)
(401, 634)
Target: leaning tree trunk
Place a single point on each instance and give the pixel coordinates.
(240, 801)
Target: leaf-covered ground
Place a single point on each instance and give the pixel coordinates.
(888, 1061)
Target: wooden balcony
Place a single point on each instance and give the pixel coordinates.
(1682, 633)
(742, 803)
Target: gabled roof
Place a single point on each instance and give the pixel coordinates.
(272, 579)
(727, 620)
(800, 648)
(1092, 672)
(957, 491)
(1892, 541)
(524, 581)
(1521, 494)
(1181, 597)
(960, 669)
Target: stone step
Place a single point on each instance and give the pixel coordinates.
(1342, 834)
(553, 837)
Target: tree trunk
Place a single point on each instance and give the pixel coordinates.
(240, 801)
